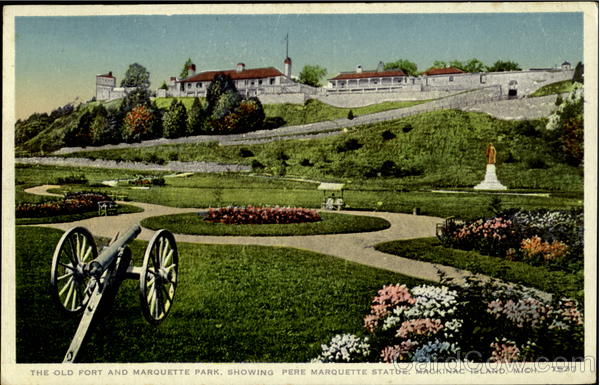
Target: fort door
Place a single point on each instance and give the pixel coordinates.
(512, 89)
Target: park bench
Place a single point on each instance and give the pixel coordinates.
(107, 208)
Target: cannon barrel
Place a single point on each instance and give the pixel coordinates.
(108, 255)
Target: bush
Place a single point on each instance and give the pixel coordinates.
(245, 153)
(350, 115)
(273, 122)
(388, 135)
(72, 179)
(256, 165)
(261, 215)
(306, 163)
(349, 145)
(407, 128)
(535, 162)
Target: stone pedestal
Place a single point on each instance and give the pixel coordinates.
(491, 181)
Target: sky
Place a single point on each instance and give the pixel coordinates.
(57, 58)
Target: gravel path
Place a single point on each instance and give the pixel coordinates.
(357, 247)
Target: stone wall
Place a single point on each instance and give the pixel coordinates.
(353, 100)
(294, 98)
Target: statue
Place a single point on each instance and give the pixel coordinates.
(490, 181)
(490, 153)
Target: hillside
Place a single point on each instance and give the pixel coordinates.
(436, 149)
(40, 134)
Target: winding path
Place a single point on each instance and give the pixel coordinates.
(356, 247)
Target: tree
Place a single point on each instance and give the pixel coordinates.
(567, 121)
(185, 71)
(439, 64)
(578, 73)
(138, 124)
(196, 122)
(311, 75)
(502, 66)
(406, 66)
(163, 86)
(136, 76)
(220, 85)
(474, 65)
(174, 120)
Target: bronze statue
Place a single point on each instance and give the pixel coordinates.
(490, 153)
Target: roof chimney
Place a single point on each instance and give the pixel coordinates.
(191, 70)
(110, 74)
(380, 67)
(240, 67)
(358, 69)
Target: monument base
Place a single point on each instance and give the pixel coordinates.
(490, 182)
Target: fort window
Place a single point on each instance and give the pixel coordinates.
(482, 78)
(198, 85)
(272, 81)
(260, 82)
(451, 79)
(189, 85)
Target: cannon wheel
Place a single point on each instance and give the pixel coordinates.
(158, 278)
(71, 287)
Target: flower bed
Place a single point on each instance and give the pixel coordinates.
(72, 203)
(487, 322)
(553, 238)
(261, 215)
(149, 181)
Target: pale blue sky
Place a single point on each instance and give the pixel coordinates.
(57, 58)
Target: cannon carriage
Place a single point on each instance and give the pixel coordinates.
(81, 279)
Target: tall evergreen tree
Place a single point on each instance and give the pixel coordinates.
(196, 118)
(578, 74)
(220, 85)
(174, 120)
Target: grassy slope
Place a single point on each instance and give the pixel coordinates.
(431, 250)
(233, 304)
(51, 138)
(447, 147)
(330, 224)
(554, 88)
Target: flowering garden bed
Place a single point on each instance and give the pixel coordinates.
(541, 237)
(329, 223)
(72, 203)
(261, 215)
(490, 322)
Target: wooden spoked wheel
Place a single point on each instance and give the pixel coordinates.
(158, 277)
(71, 287)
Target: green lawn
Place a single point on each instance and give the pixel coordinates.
(122, 209)
(316, 111)
(329, 224)
(233, 304)
(431, 250)
(554, 88)
(214, 190)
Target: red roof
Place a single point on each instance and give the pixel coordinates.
(252, 73)
(443, 71)
(108, 75)
(368, 74)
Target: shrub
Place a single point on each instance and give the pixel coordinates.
(261, 215)
(306, 163)
(350, 115)
(535, 162)
(273, 122)
(407, 128)
(72, 179)
(388, 135)
(349, 145)
(138, 124)
(256, 165)
(245, 153)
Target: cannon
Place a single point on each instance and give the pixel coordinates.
(82, 280)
